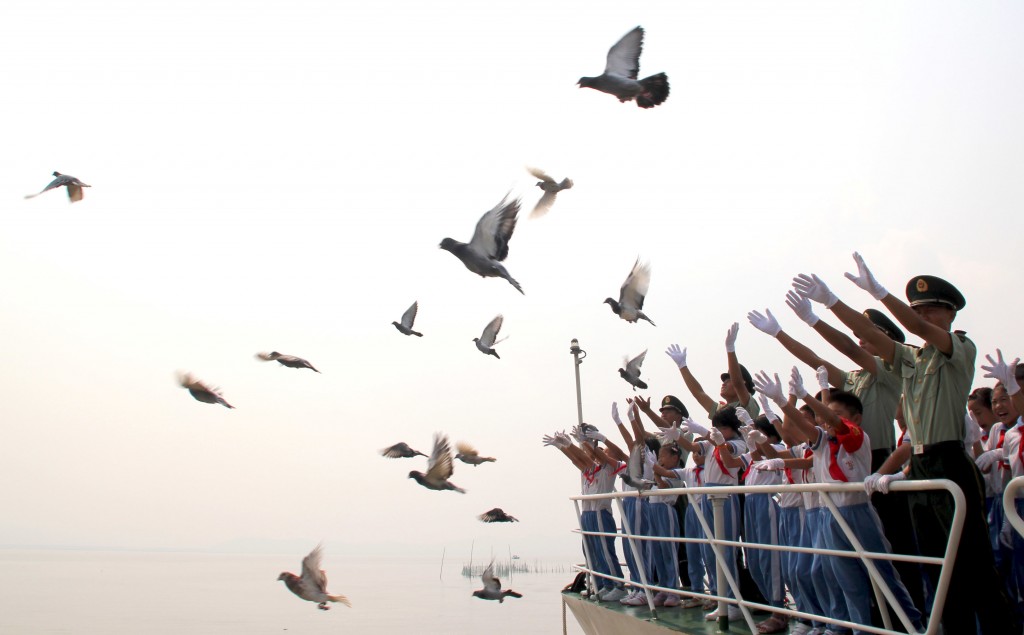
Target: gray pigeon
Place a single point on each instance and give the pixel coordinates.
(400, 450)
(290, 361)
(439, 468)
(485, 343)
(74, 187)
(489, 245)
(407, 319)
(620, 72)
(202, 392)
(551, 189)
(312, 584)
(468, 455)
(492, 587)
(497, 515)
(632, 293)
(634, 473)
(632, 371)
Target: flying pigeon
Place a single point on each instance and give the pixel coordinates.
(290, 361)
(632, 371)
(492, 587)
(74, 186)
(485, 343)
(633, 475)
(468, 454)
(407, 319)
(620, 71)
(439, 467)
(497, 515)
(632, 293)
(400, 450)
(200, 391)
(312, 584)
(551, 189)
(489, 245)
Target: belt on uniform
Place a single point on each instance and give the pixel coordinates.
(941, 445)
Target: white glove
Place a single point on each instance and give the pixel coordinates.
(744, 416)
(796, 384)
(594, 435)
(693, 426)
(756, 438)
(770, 464)
(865, 279)
(1006, 535)
(986, 459)
(767, 408)
(769, 388)
(716, 437)
(677, 354)
(871, 483)
(564, 440)
(577, 433)
(813, 288)
(1002, 372)
(631, 413)
(671, 433)
(730, 337)
(822, 373)
(765, 323)
(802, 307)
(615, 413)
(556, 441)
(883, 483)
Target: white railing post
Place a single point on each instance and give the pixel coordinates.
(718, 513)
(1010, 504)
(591, 587)
(631, 540)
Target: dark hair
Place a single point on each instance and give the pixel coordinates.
(984, 395)
(653, 444)
(848, 399)
(672, 447)
(762, 424)
(726, 417)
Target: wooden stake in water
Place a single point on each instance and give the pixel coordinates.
(441, 572)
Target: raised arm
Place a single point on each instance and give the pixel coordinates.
(1005, 374)
(626, 436)
(821, 411)
(839, 340)
(770, 326)
(678, 356)
(735, 374)
(773, 390)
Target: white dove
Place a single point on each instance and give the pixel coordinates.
(620, 72)
(312, 584)
(632, 294)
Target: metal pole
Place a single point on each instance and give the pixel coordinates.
(718, 506)
(577, 355)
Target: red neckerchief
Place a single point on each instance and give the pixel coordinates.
(904, 434)
(718, 458)
(590, 474)
(789, 473)
(1003, 464)
(834, 470)
(697, 471)
(749, 467)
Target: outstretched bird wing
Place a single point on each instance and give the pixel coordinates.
(410, 315)
(313, 577)
(624, 57)
(494, 230)
(465, 448)
(397, 451)
(633, 367)
(440, 467)
(540, 174)
(634, 289)
(491, 583)
(491, 331)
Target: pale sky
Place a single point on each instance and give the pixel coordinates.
(277, 176)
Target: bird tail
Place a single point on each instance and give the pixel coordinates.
(565, 184)
(458, 489)
(266, 357)
(644, 317)
(512, 594)
(515, 284)
(641, 385)
(655, 91)
(416, 334)
(339, 598)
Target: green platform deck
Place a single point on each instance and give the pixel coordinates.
(610, 618)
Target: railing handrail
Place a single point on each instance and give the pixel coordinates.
(1009, 504)
(825, 490)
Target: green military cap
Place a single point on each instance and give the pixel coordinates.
(882, 321)
(747, 379)
(671, 401)
(933, 290)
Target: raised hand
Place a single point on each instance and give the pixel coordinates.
(765, 323)
(693, 426)
(730, 337)
(615, 413)
(865, 279)
(744, 416)
(822, 374)
(769, 388)
(672, 433)
(1002, 372)
(756, 438)
(677, 354)
(716, 437)
(770, 464)
(796, 384)
(767, 407)
(802, 307)
(812, 287)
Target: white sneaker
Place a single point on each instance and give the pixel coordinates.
(613, 595)
(640, 599)
(629, 596)
(734, 613)
(799, 628)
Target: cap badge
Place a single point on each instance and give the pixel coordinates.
(922, 286)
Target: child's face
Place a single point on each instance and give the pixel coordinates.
(984, 416)
(668, 458)
(842, 411)
(1002, 406)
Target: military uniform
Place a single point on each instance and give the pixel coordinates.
(935, 390)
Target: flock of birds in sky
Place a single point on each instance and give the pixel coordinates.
(483, 255)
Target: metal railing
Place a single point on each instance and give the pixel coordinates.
(1009, 503)
(718, 494)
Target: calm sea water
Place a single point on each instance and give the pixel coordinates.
(131, 593)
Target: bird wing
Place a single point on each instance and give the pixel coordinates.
(74, 192)
(410, 315)
(494, 230)
(636, 461)
(491, 583)
(396, 451)
(543, 206)
(540, 174)
(465, 448)
(440, 466)
(491, 331)
(267, 357)
(634, 289)
(633, 367)
(624, 57)
(313, 577)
